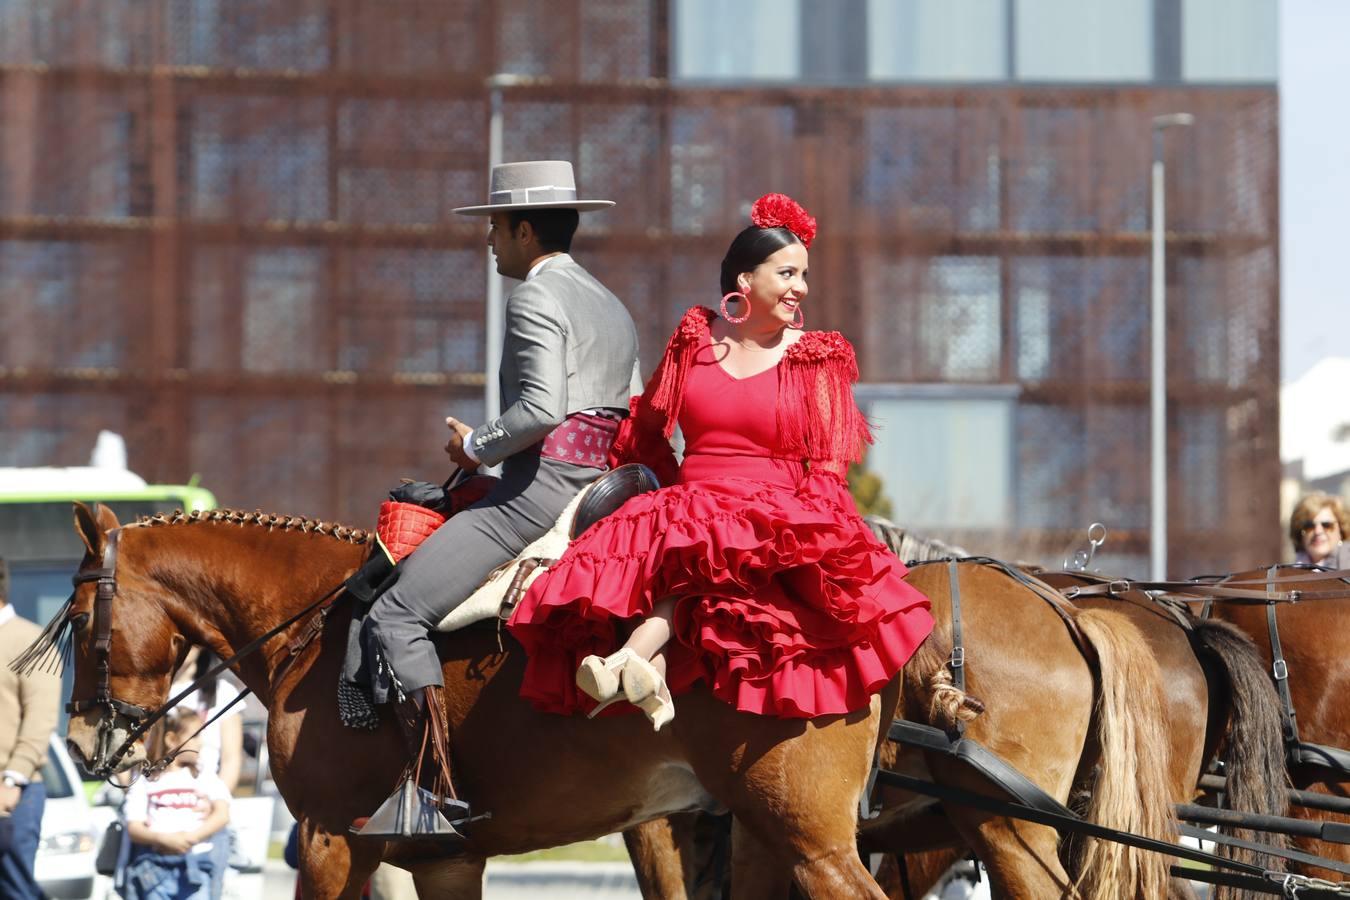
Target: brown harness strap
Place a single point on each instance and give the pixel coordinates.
(1280, 671)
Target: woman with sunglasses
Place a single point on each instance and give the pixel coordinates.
(1317, 529)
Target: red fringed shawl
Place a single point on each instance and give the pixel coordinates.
(818, 418)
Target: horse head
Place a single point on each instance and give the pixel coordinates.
(125, 648)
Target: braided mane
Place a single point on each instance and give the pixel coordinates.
(269, 521)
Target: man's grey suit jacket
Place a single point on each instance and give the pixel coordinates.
(570, 345)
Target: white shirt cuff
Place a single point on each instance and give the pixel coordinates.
(468, 447)
(20, 780)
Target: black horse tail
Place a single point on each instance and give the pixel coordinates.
(1252, 750)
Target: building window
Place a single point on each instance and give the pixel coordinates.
(936, 40)
(1084, 40)
(280, 329)
(960, 317)
(1229, 40)
(958, 476)
(748, 39)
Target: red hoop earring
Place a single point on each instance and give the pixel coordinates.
(799, 320)
(730, 318)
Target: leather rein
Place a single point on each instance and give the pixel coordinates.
(105, 761)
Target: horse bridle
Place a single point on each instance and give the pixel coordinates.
(105, 760)
(142, 718)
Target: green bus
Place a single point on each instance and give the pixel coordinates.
(37, 526)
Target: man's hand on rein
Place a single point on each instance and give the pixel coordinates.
(454, 447)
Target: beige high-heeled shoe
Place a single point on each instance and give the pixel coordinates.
(599, 678)
(646, 689)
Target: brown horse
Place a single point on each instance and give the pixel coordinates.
(1219, 704)
(1054, 708)
(1315, 637)
(221, 579)
(1216, 701)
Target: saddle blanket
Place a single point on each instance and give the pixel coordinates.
(490, 600)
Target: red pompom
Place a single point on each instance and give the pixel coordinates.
(781, 211)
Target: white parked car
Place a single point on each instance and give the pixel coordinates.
(71, 832)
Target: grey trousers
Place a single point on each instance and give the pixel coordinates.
(451, 564)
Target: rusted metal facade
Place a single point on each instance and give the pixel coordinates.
(225, 232)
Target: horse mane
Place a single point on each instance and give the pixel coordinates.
(269, 521)
(910, 547)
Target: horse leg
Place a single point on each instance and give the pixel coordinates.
(1022, 859)
(755, 873)
(656, 851)
(458, 878)
(331, 866)
(795, 786)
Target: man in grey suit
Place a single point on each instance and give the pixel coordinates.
(568, 364)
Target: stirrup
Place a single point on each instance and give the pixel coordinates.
(599, 678)
(411, 813)
(647, 690)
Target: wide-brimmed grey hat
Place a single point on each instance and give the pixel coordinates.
(539, 184)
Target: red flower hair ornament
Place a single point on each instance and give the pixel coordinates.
(781, 211)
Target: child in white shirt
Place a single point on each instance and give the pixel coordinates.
(171, 818)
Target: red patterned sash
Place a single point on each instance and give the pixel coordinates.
(581, 440)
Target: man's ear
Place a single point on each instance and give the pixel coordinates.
(525, 233)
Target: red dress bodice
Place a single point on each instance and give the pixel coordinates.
(730, 425)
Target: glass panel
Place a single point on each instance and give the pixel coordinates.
(1230, 40)
(961, 314)
(281, 326)
(959, 475)
(1077, 466)
(249, 34)
(46, 286)
(932, 320)
(258, 158)
(1202, 465)
(1081, 318)
(939, 40)
(1084, 40)
(929, 168)
(748, 39)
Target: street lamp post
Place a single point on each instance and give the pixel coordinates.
(493, 322)
(1158, 380)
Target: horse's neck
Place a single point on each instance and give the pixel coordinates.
(247, 581)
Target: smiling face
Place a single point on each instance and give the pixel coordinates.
(1321, 533)
(777, 286)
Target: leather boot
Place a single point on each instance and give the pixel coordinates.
(413, 813)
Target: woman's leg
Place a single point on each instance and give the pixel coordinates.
(652, 633)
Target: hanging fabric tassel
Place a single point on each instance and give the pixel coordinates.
(818, 417)
(665, 391)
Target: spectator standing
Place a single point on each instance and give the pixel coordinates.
(1317, 529)
(28, 710)
(171, 820)
(222, 741)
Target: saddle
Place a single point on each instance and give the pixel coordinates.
(498, 596)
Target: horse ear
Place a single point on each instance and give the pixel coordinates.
(93, 525)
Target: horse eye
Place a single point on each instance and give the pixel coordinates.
(79, 621)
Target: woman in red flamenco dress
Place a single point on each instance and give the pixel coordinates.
(754, 559)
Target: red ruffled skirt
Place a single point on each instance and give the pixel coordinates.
(788, 605)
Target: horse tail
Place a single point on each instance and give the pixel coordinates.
(1253, 749)
(929, 678)
(1131, 791)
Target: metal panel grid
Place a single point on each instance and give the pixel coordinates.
(225, 231)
